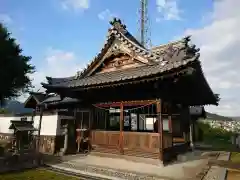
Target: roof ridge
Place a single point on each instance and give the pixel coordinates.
(148, 70)
(118, 30)
(169, 43)
(162, 63)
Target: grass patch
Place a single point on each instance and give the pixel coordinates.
(218, 138)
(36, 174)
(220, 144)
(235, 157)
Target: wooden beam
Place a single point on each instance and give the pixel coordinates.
(170, 118)
(160, 129)
(121, 128)
(39, 133)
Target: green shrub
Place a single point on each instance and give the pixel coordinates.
(3, 111)
(210, 133)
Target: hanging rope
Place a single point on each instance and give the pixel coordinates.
(107, 109)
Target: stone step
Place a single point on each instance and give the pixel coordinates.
(105, 173)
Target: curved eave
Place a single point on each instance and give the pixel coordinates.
(49, 79)
(202, 93)
(215, 97)
(169, 71)
(58, 100)
(214, 100)
(53, 81)
(52, 86)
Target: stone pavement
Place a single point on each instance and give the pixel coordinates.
(216, 172)
(124, 169)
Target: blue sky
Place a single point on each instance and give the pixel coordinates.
(63, 35)
(42, 24)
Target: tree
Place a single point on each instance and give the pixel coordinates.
(3, 111)
(15, 68)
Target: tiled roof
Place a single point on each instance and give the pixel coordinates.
(119, 31)
(56, 99)
(122, 75)
(22, 126)
(161, 59)
(58, 80)
(39, 96)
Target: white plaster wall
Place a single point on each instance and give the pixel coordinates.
(51, 124)
(5, 123)
(48, 126)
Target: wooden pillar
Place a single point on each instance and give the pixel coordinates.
(191, 133)
(39, 131)
(160, 129)
(121, 128)
(194, 130)
(33, 114)
(170, 121)
(18, 142)
(185, 122)
(65, 146)
(105, 121)
(138, 121)
(170, 118)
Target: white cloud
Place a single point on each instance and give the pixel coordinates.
(5, 18)
(57, 63)
(168, 10)
(75, 4)
(219, 42)
(106, 15)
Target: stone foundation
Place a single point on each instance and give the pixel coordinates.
(5, 142)
(5, 136)
(51, 144)
(48, 144)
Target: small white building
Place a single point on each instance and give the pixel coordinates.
(51, 129)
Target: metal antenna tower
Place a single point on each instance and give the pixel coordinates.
(144, 24)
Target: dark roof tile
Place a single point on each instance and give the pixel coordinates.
(56, 99)
(170, 53)
(22, 126)
(121, 75)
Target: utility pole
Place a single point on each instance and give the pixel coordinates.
(143, 10)
(144, 24)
